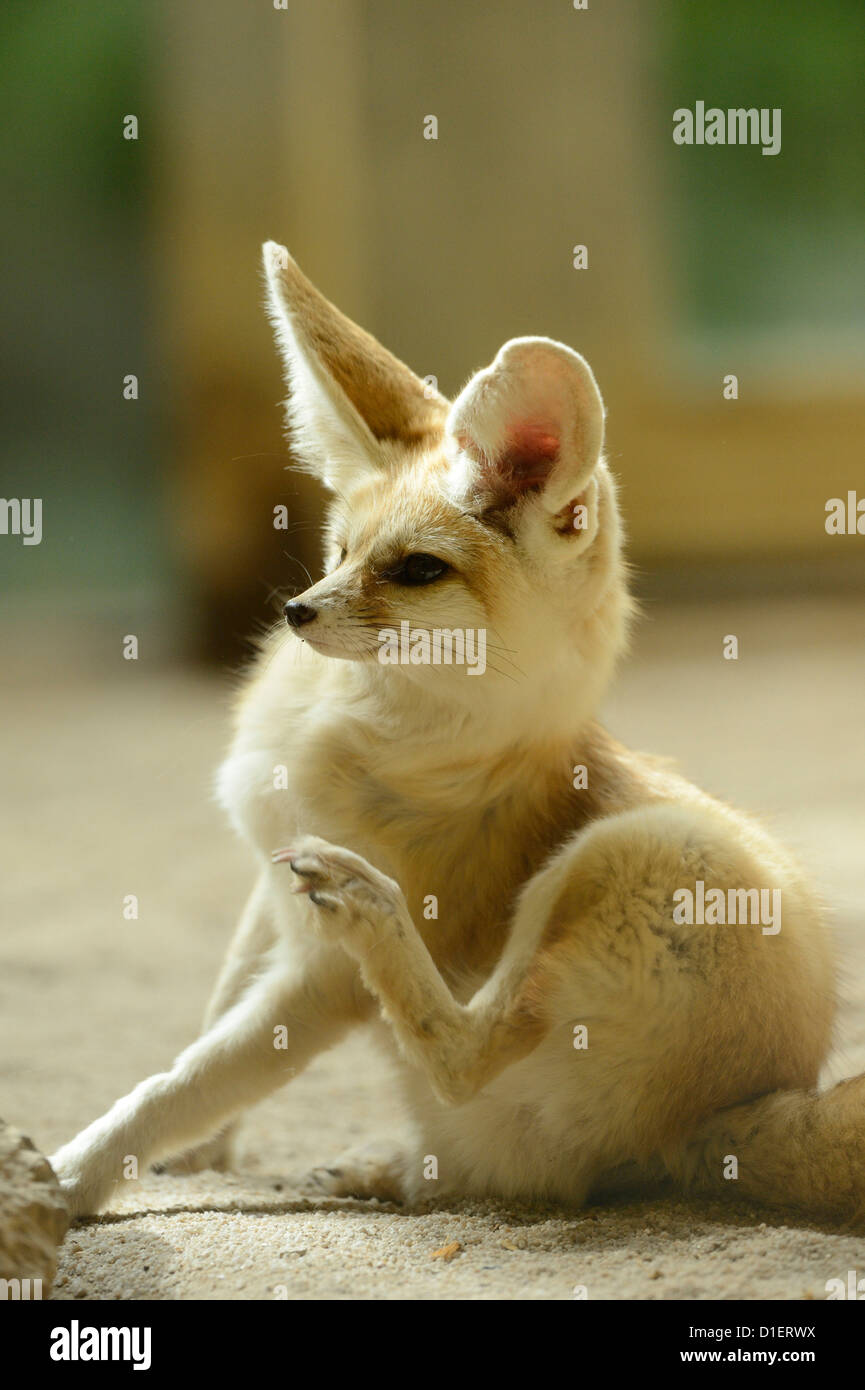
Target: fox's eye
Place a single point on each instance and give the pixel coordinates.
(342, 554)
(419, 569)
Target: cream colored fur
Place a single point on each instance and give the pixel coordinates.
(438, 875)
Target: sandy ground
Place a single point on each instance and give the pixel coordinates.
(106, 769)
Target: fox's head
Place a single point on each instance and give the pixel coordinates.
(493, 517)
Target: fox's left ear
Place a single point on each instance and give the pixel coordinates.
(532, 422)
(349, 397)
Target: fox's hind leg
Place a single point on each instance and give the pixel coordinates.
(695, 1019)
(458, 1047)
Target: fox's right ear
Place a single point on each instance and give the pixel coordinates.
(532, 423)
(350, 400)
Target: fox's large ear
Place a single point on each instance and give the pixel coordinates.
(349, 397)
(532, 422)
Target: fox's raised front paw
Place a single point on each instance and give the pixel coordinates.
(355, 904)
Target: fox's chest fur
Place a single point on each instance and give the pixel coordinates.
(460, 830)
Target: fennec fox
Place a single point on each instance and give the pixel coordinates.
(465, 860)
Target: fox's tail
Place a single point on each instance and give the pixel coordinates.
(791, 1148)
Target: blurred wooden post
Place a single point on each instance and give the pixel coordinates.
(239, 163)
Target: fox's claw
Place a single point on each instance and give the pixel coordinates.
(282, 856)
(360, 902)
(330, 904)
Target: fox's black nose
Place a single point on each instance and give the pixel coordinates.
(296, 614)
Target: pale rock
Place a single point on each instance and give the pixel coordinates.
(33, 1214)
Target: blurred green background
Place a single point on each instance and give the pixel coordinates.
(306, 125)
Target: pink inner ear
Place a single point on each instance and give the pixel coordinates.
(528, 454)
